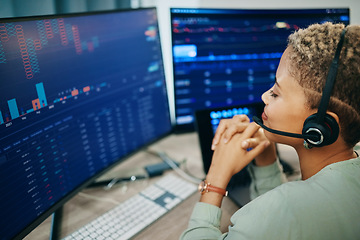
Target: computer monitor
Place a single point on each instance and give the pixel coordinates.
(78, 94)
(229, 57)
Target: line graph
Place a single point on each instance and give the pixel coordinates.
(250, 29)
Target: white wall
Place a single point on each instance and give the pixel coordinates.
(163, 7)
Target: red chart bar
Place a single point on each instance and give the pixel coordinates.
(86, 89)
(74, 92)
(36, 104)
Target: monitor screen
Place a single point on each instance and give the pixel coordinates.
(228, 57)
(78, 94)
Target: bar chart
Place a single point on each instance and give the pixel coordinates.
(37, 103)
(41, 101)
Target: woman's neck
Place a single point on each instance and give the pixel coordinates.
(315, 159)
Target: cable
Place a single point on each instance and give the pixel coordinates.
(176, 168)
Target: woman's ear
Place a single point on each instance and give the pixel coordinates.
(335, 116)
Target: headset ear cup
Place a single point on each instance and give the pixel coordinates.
(334, 129)
(328, 130)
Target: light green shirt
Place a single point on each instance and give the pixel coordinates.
(325, 206)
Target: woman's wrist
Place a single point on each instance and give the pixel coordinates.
(216, 196)
(212, 198)
(267, 157)
(218, 179)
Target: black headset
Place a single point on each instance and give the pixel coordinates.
(320, 129)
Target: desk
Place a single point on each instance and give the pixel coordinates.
(93, 202)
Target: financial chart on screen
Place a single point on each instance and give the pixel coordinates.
(225, 57)
(77, 93)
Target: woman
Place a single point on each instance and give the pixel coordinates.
(325, 203)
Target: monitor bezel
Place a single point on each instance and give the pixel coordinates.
(42, 217)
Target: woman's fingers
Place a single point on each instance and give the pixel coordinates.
(219, 131)
(252, 142)
(230, 158)
(253, 153)
(229, 127)
(249, 143)
(233, 129)
(250, 131)
(255, 140)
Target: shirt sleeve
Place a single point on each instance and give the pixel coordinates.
(262, 218)
(265, 178)
(204, 223)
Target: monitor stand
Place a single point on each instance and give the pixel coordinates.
(55, 228)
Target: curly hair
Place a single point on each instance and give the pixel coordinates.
(311, 52)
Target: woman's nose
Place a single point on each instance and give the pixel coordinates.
(265, 96)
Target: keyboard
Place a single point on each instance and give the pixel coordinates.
(135, 214)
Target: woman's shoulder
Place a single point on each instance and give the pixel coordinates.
(329, 186)
(298, 205)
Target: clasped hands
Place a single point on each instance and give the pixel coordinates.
(236, 143)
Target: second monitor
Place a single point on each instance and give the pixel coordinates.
(227, 57)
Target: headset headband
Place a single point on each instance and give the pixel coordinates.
(330, 81)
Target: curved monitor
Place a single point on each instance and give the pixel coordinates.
(78, 94)
(228, 57)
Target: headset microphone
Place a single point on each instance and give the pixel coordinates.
(320, 129)
(312, 137)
